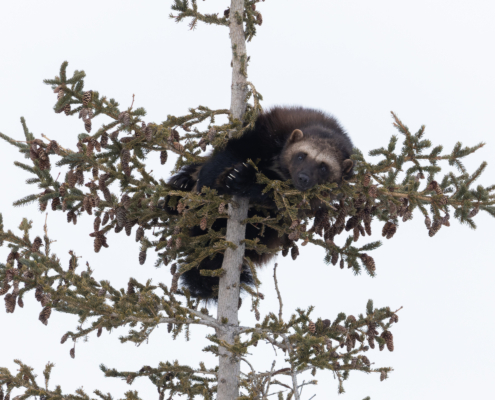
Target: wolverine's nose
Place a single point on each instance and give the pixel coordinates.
(303, 179)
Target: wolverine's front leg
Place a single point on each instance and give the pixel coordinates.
(237, 179)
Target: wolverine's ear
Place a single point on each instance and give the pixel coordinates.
(296, 136)
(347, 166)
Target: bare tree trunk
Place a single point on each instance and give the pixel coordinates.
(229, 287)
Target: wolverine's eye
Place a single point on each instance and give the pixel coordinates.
(301, 156)
(323, 168)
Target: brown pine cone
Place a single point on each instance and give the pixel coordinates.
(163, 157)
(175, 281)
(341, 263)
(312, 327)
(37, 243)
(142, 257)
(366, 179)
(473, 212)
(139, 233)
(38, 293)
(351, 223)
(335, 258)
(126, 201)
(389, 339)
(294, 252)
(435, 227)
(45, 314)
(104, 139)
(87, 97)
(105, 218)
(87, 125)
(10, 302)
(383, 376)
(98, 243)
(121, 215)
(372, 191)
(55, 203)
(368, 262)
(285, 251)
(355, 232)
(203, 224)
(73, 352)
(221, 208)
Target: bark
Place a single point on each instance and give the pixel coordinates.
(229, 286)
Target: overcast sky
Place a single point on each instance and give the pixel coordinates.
(432, 62)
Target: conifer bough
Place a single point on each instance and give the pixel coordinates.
(108, 179)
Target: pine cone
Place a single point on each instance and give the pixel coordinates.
(394, 318)
(126, 201)
(98, 243)
(87, 125)
(38, 294)
(221, 208)
(351, 223)
(435, 227)
(285, 251)
(312, 327)
(142, 257)
(341, 263)
(105, 218)
(178, 147)
(294, 252)
(87, 97)
(383, 376)
(163, 157)
(173, 269)
(121, 215)
(128, 227)
(372, 191)
(356, 232)
(73, 352)
(45, 314)
(203, 224)
(55, 203)
(366, 179)
(5, 288)
(169, 327)
(175, 281)
(139, 233)
(64, 338)
(371, 341)
(202, 144)
(79, 176)
(473, 212)
(37, 243)
(10, 302)
(368, 262)
(104, 139)
(335, 258)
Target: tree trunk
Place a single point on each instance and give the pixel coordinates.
(229, 287)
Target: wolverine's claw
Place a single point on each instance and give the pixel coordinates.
(228, 186)
(245, 165)
(231, 176)
(236, 170)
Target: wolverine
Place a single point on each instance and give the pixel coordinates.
(305, 145)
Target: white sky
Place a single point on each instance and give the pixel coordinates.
(431, 62)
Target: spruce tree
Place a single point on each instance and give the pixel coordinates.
(108, 181)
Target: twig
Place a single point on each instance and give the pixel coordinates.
(278, 293)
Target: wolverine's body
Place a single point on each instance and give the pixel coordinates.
(305, 145)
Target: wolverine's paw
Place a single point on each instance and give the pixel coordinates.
(183, 182)
(239, 178)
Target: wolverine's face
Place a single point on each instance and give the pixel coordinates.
(312, 162)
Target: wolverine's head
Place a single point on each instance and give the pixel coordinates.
(316, 156)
